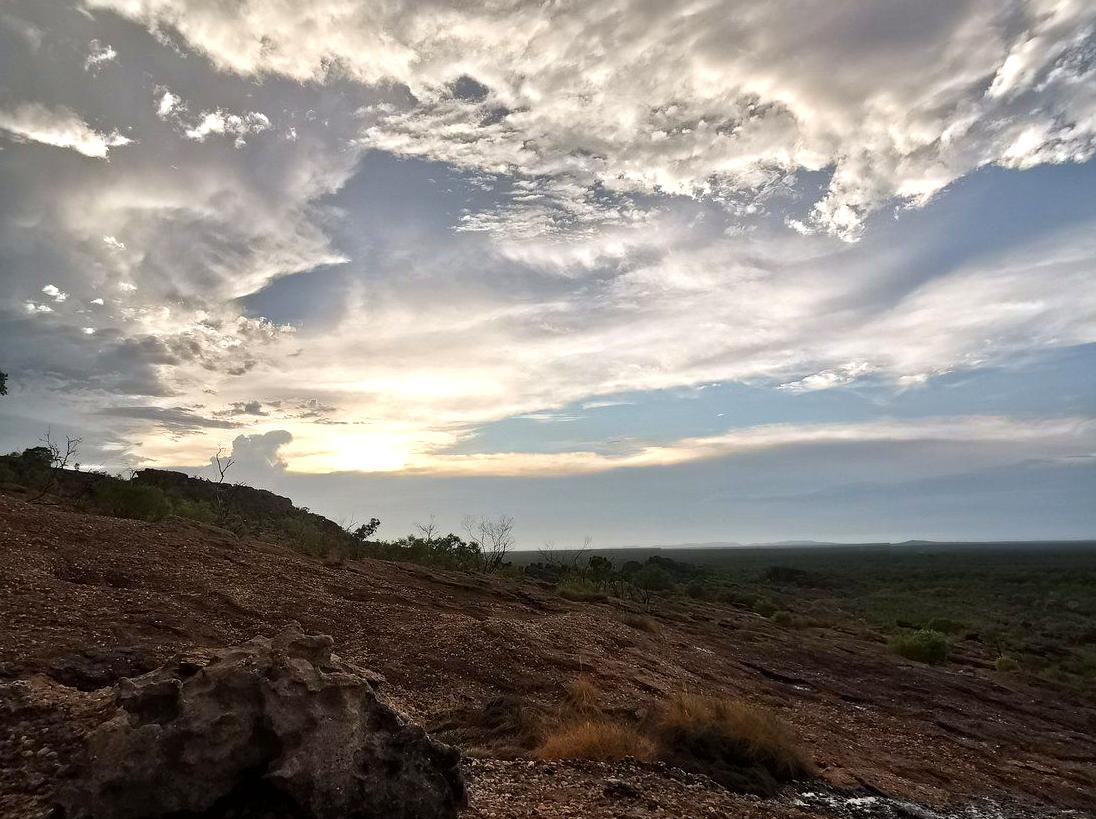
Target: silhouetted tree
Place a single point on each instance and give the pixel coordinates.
(223, 463)
(3, 383)
(651, 579)
(495, 539)
(367, 530)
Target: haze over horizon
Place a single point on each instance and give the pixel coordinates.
(647, 272)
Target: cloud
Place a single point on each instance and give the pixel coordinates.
(1065, 436)
(168, 104)
(235, 125)
(893, 102)
(178, 420)
(828, 378)
(54, 293)
(244, 408)
(258, 455)
(98, 55)
(59, 127)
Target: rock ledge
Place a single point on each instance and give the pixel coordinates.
(280, 719)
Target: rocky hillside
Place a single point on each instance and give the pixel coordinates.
(87, 600)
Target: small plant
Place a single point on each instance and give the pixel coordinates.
(783, 618)
(580, 591)
(1005, 663)
(743, 746)
(126, 499)
(196, 510)
(944, 625)
(583, 695)
(924, 646)
(598, 739)
(764, 607)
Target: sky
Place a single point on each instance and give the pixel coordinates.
(642, 271)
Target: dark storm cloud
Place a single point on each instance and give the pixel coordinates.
(173, 419)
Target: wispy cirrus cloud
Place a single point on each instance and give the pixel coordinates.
(59, 127)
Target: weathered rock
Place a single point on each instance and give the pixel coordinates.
(283, 717)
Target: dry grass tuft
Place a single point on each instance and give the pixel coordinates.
(743, 746)
(504, 727)
(582, 695)
(597, 739)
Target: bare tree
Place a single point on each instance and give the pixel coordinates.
(428, 530)
(223, 463)
(58, 458)
(494, 537)
(568, 561)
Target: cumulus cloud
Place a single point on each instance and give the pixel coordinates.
(55, 293)
(98, 55)
(260, 454)
(168, 103)
(235, 125)
(894, 101)
(59, 127)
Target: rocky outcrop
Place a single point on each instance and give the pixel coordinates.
(283, 720)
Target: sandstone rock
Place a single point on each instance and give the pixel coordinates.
(283, 717)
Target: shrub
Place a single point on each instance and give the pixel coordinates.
(505, 727)
(766, 608)
(697, 590)
(598, 739)
(198, 510)
(652, 579)
(744, 747)
(580, 591)
(944, 625)
(125, 499)
(1005, 663)
(924, 646)
(307, 537)
(783, 618)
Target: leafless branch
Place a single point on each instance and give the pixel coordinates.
(223, 463)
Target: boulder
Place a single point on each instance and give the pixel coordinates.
(281, 721)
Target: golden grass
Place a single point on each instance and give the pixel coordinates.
(583, 695)
(598, 739)
(731, 737)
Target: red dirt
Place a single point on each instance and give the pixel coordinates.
(85, 600)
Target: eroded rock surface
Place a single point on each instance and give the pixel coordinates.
(283, 717)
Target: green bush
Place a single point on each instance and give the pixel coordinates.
(125, 499)
(580, 591)
(944, 625)
(199, 510)
(766, 608)
(697, 590)
(783, 618)
(924, 646)
(306, 537)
